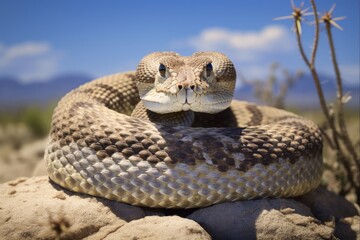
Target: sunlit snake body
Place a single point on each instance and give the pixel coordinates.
(198, 156)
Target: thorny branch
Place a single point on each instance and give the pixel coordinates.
(339, 139)
(327, 18)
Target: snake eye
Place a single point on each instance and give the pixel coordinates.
(162, 70)
(209, 69)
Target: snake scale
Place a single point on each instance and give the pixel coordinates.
(170, 136)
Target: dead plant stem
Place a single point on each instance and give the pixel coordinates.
(336, 136)
(340, 104)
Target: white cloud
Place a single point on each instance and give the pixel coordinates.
(29, 61)
(256, 72)
(243, 46)
(351, 74)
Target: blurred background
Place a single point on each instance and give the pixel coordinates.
(48, 48)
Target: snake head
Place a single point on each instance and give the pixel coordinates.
(203, 82)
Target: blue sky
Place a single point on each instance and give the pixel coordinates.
(40, 39)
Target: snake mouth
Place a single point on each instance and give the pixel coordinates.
(166, 103)
(163, 103)
(186, 107)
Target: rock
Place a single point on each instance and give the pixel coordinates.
(334, 211)
(326, 205)
(32, 208)
(155, 227)
(261, 219)
(348, 228)
(35, 208)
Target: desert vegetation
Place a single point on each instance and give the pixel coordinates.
(344, 161)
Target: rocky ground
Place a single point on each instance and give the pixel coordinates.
(35, 208)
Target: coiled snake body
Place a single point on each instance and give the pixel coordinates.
(185, 144)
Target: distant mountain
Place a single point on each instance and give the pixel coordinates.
(303, 93)
(14, 94)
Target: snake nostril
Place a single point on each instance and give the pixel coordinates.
(180, 86)
(192, 87)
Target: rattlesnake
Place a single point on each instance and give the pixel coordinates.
(187, 143)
